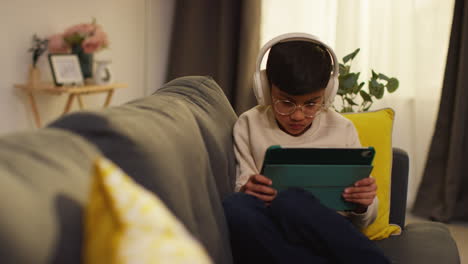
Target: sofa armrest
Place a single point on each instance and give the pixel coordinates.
(400, 169)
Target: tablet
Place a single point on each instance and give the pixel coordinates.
(325, 172)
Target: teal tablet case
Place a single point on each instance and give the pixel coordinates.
(336, 170)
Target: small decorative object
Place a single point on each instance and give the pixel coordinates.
(103, 74)
(349, 87)
(83, 40)
(66, 69)
(37, 49)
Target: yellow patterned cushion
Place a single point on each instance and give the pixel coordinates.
(375, 129)
(124, 223)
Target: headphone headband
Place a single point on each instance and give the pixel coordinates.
(261, 86)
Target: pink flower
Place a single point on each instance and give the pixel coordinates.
(57, 44)
(91, 45)
(82, 30)
(102, 37)
(95, 42)
(89, 36)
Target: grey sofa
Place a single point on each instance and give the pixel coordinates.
(178, 144)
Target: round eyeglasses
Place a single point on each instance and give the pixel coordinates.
(286, 107)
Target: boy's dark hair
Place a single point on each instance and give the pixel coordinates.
(299, 67)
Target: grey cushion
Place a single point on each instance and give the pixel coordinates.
(44, 179)
(178, 144)
(425, 242)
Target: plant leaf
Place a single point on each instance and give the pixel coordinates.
(357, 88)
(372, 84)
(74, 39)
(343, 69)
(383, 77)
(376, 89)
(364, 105)
(351, 55)
(349, 101)
(374, 75)
(347, 82)
(392, 85)
(365, 96)
(380, 91)
(361, 85)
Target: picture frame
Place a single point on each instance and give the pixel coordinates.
(66, 69)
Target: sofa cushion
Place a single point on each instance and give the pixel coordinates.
(375, 129)
(421, 242)
(125, 223)
(44, 179)
(177, 143)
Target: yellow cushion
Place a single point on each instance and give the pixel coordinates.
(124, 223)
(375, 129)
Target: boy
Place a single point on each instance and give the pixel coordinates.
(292, 226)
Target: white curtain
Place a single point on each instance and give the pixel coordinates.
(406, 39)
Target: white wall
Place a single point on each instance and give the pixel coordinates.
(139, 33)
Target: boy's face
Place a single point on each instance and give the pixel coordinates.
(297, 122)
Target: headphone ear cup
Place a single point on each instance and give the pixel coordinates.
(257, 88)
(265, 88)
(261, 88)
(331, 90)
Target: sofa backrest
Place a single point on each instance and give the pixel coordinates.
(178, 144)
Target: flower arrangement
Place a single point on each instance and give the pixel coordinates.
(90, 37)
(83, 40)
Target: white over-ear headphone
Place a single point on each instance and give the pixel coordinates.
(261, 85)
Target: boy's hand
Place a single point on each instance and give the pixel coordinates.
(362, 192)
(259, 186)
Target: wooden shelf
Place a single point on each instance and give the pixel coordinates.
(72, 91)
(50, 88)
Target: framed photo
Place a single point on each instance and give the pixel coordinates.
(66, 69)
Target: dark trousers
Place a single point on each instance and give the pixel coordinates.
(295, 228)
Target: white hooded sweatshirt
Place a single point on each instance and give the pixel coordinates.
(257, 129)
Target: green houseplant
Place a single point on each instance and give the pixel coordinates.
(354, 96)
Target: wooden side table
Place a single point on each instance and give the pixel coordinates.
(72, 91)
